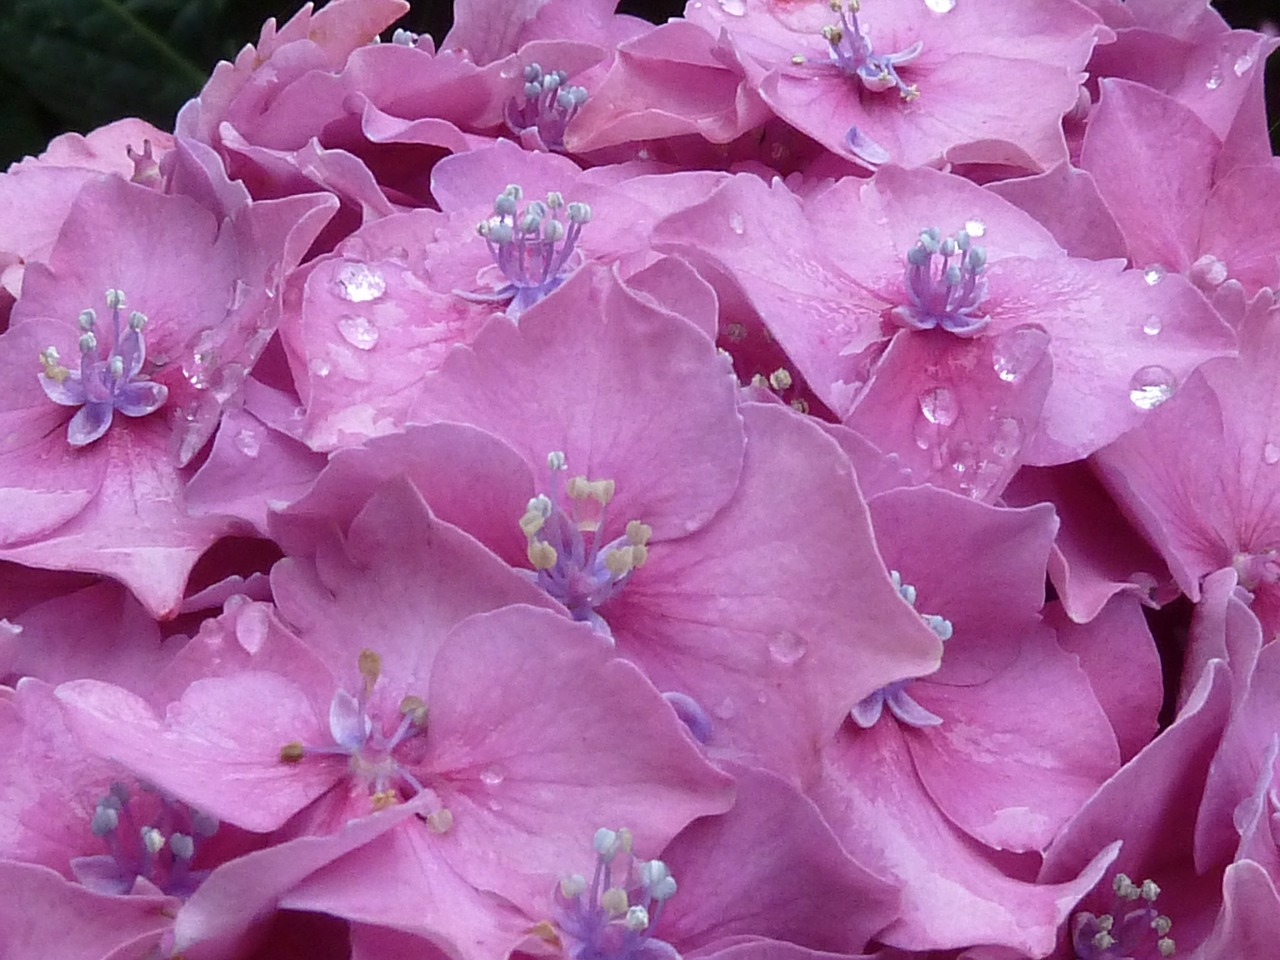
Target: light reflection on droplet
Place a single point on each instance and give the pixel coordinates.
(1243, 64)
(1153, 274)
(1151, 386)
(1270, 454)
(939, 406)
(737, 224)
(1152, 325)
(359, 283)
(734, 8)
(788, 648)
(975, 228)
(1214, 80)
(248, 442)
(492, 776)
(319, 367)
(940, 6)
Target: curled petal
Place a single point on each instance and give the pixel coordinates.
(89, 424)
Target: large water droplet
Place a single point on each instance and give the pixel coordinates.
(319, 367)
(1015, 352)
(975, 227)
(358, 282)
(788, 648)
(737, 224)
(940, 6)
(1270, 453)
(939, 406)
(202, 357)
(1153, 274)
(1152, 325)
(492, 776)
(1006, 438)
(248, 442)
(359, 332)
(734, 8)
(1151, 386)
(1242, 65)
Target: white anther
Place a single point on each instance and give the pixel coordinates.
(552, 231)
(1149, 891)
(1162, 925)
(555, 461)
(578, 212)
(105, 819)
(440, 820)
(657, 880)
(606, 843)
(1166, 946)
(152, 839)
(555, 200)
(88, 343)
(637, 919)
(137, 320)
(87, 319)
(183, 847)
(115, 299)
(941, 626)
(573, 885)
(513, 191)
(780, 379)
(116, 366)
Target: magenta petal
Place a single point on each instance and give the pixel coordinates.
(1246, 925)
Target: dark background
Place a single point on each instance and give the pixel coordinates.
(76, 64)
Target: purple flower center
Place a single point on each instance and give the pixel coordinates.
(158, 849)
(549, 104)
(104, 383)
(944, 284)
(379, 761)
(602, 921)
(1133, 930)
(851, 52)
(867, 712)
(533, 248)
(569, 560)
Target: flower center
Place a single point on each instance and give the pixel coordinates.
(570, 562)
(104, 383)
(377, 760)
(549, 104)
(1256, 569)
(894, 695)
(944, 284)
(532, 248)
(1131, 931)
(159, 849)
(851, 52)
(607, 922)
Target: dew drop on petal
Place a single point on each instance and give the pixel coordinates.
(359, 332)
(1015, 352)
(1152, 325)
(975, 227)
(359, 283)
(1006, 438)
(788, 648)
(319, 367)
(737, 224)
(492, 776)
(1214, 80)
(939, 406)
(248, 442)
(734, 8)
(926, 433)
(1153, 274)
(940, 6)
(1151, 386)
(1243, 64)
(1270, 453)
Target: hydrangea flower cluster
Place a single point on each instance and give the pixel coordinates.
(798, 481)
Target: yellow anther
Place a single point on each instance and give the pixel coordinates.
(1103, 940)
(440, 820)
(370, 667)
(414, 707)
(614, 900)
(638, 533)
(736, 332)
(291, 752)
(800, 405)
(542, 556)
(53, 369)
(639, 554)
(532, 521)
(911, 92)
(545, 931)
(797, 58)
(780, 379)
(834, 5)
(832, 34)
(758, 380)
(619, 561)
(1166, 946)
(383, 799)
(580, 488)
(624, 838)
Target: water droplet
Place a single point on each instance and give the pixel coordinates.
(1015, 352)
(248, 442)
(202, 356)
(940, 6)
(975, 227)
(939, 406)
(926, 433)
(359, 332)
(1270, 453)
(737, 224)
(1151, 386)
(492, 776)
(1153, 274)
(788, 648)
(359, 283)
(319, 367)
(1006, 438)
(1243, 64)
(1214, 80)
(734, 8)
(1152, 325)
